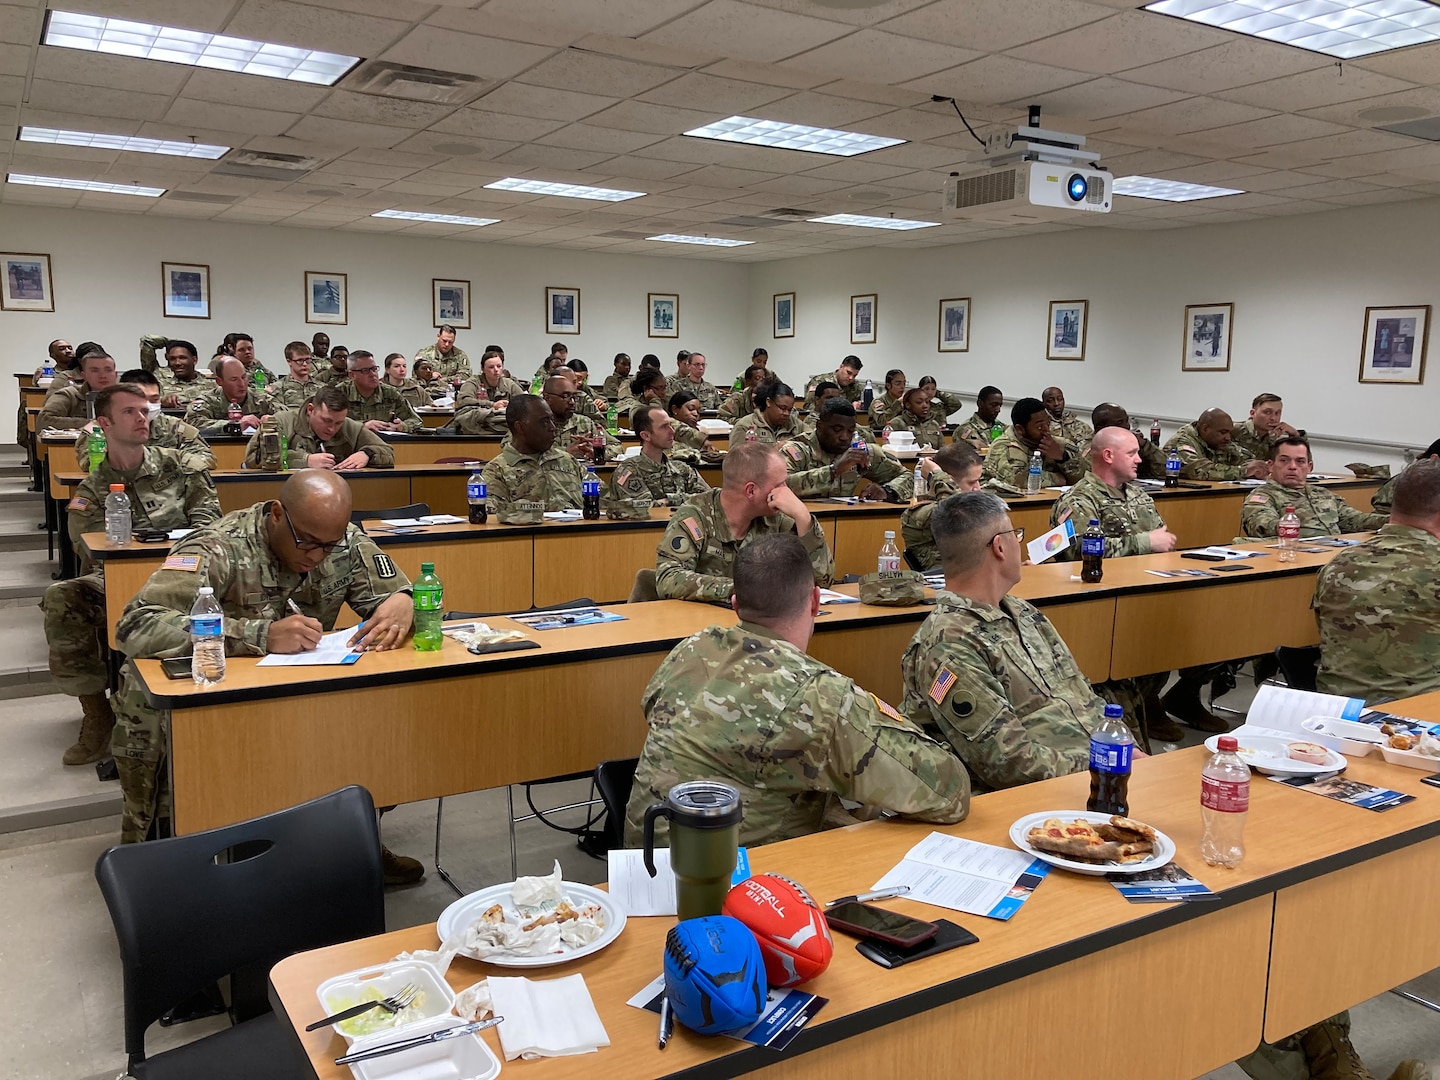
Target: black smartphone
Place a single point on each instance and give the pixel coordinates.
(1433, 779)
(1202, 556)
(1232, 567)
(151, 536)
(176, 667)
(948, 936)
(875, 923)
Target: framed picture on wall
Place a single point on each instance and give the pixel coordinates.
(862, 318)
(451, 300)
(325, 300)
(562, 310)
(784, 314)
(1393, 348)
(954, 325)
(26, 284)
(664, 313)
(186, 290)
(1066, 330)
(1208, 330)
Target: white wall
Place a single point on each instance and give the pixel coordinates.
(1300, 286)
(106, 272)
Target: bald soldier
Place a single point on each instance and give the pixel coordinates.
(1207, 452)
(1321, 512)
(1152, 458)
(956, 467)
(696, 556)
(746, 705)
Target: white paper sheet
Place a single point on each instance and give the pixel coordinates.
(633, 887)
(964, 875)
(830, 596)
(1049, 544)
(1285, 709)
(333, 649)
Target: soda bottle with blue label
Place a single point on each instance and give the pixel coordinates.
(1092, 553)
(1111, 747)
(1172, 469)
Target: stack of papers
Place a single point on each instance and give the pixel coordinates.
(333, 649)
(963, 875)
(830, 596)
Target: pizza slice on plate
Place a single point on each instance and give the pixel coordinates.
(1116, 841)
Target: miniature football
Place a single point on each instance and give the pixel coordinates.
(714, 976)
(790, 927)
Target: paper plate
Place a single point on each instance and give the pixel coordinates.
(1266, 754)
(468, 909)
(1163, 853)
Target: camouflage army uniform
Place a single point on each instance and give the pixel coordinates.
(1000, 686)
(414, 393)
(810, 476)
(475, 414)
(1199, 462)
(695, 558)
(324, 373)
(915, 531)
(290, 395)
(946, 404)
(453, 363)
(579, 426)
(233, 557)
(62, 377)
(1256, 446)
(625, 410)
(977, 432)
(301, 441)
(1009, 460)
(666, 482)
(188, 391)
(514, 482)
(65, 408)
(211, 412)
(756, 422)
(709, 396)
(615, 387)
(165, 493)
(745, 706)
(1072, 429)
(691, 438)
(884, 409)
(1152, 459)
(1126, 514)
(852, 393)
(738, 404)
(1321, 512)
(927, 431)
(1384, 495)
(1378, 607)
(387, 405)
(169, 433)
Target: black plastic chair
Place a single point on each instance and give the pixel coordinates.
(1300, 665)
(412, 511)
(614, 779)
(912, 560)
(234, 901)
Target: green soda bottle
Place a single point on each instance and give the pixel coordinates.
(260, 379)
(612, 420)
(429, 596)
(739, 385)
(96, 447)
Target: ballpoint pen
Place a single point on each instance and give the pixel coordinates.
(866, 897)
(667, 1022)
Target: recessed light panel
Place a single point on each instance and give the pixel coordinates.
(443, 219)
(566, 191)
(123, 37)
(706, 241)
(84, 185)
(133, 143)
(863, 222)
(1150, 187)
(1343, 28)
(813, 140)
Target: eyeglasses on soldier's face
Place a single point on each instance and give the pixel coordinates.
(1019, 535)
(326, 546)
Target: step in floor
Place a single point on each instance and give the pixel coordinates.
(35, 789)
(25, 573)
(25, 659)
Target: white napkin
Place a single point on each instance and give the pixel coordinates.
(550, 1018)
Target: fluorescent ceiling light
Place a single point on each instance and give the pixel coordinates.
(568, 191)
(84, 185)
(745, 129)
(707, 241)
(1343, 28)
(122, 37)
(133, 143)
(443, 219)
(873, 222)
(1150, 187)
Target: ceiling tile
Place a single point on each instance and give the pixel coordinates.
(522, 99)
(393, 158)
(1315, 89)
(117, 72)
(427, 187)
(533, 156)
(1273, 131)
(860, 172)
(993, 25)
(769, 74)
(1283, 157)
(1328, 189)
(647, 52)
(469, 54)
(21, 26)
(346, 132)
(894, 96)
(1368, 198)
(86, 101)
(468, 21)
(408, 10)
(710, 93)
(629, 18)
(721, 177)
(1351, 143)
(212, 114)
(997, 79)
(431, 142)
(1235, 63)
(1419, 63)
(12, 88)
(488, 125)
(822, 110)
(931, 122)
(585, 137)
(886, 58)
(1126, 40)
(604, 75)
(230, 88)
(1100, 98)
(654, 119)
(373, 109)
(1192, 114)
(647, 168)
(313, 28)
(749, 32)
(1425, 98)
(1221, 174)
(15, 60)
(919, 155)
(1347, 168)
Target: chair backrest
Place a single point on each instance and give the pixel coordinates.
(912, 560)
(411, 511)
(300, 879)
(614, 779)
(644, 587)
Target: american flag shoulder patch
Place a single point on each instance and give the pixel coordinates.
(190, 563)
(691, 526)
(942, 684)
(886, 708)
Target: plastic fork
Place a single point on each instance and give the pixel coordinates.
(394, 1003)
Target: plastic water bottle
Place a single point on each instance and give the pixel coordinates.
(1224, 804)
(1092, 553)
(590, 496)
(922, 486)
(1111, 746)
(869, 396)
(597, 447)
(1155, 432)
(885, 434)
(207, 639)
(1037, 467)
(429, 596)
(751, 434)
(1172, 469)
(234, 412)
(475, 495)
(889, 559)
(612, 420)
(96, 447)
(117, 516)
(1289, 532)
(47, 370)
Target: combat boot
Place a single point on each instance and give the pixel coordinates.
(400, 869)
(1182, 701)
(95, 728)
(1329, 1054)
(1410, 1069)
(1158, 726)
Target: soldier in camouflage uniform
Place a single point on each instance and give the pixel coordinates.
(653, 475)
(746, 705)
(694, 383)
(67, 407)
(742, 402)
(824, 464)
(1152, 458)
(575, 433)
(979, 429)
(396, 368)
(334, 368)
(987, 672)
(950, 403)
(695, 558)
(1207, 452)
(1258, 435)
(168, 432)
(916, 417)
(1385, 494)
(211, 412)
(479, 401)
(684, 409)
(165, 493)
(955, 468)
(374, 404)
(290, 392)
(62, 360)
(180, 380)
(1321, 512)
(1009, 456)
(1065, 425)
(323, 436)
(774, 420)
(450, 362)
(846, 377)
(618, 381)
(531, 474)
(888, 405)
(647, 388)
(301, 547)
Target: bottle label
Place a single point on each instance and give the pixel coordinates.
(428, 599)
(1228, 796)
(475, 491)
(206, 626)
(1172, 465)
(1110, 757)
(1092, 545)
(888, 564)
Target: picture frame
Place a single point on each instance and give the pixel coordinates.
(325, 299)
(863, 308)
(25, 283)
(1388, 352)
(185, 290)
(663, 314)
(783, 310)
(450, 299)
(562, 310)
(953, 332)
(1206, 337)
(1066, 329)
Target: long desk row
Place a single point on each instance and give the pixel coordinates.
(1149, 992)
(412, 726)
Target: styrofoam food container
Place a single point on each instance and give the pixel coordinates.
(389, 979)
(1343, 736)
(714, 427)
(1411, 759)
(465, 1057)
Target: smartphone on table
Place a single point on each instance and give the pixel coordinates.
(947, 936)
(877, 924)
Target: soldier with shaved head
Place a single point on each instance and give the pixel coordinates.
(1207, 450)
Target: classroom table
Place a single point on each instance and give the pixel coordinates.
(1146, 991)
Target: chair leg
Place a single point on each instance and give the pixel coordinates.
(1417, 999)
(510, 814)
(440, 870)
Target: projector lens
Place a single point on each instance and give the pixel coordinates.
(1078, 187)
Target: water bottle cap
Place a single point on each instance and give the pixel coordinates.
(889, 535)
(1228, 743)
(117, 487)
(427, 568)
(1094, 521)
(1114, 712)
(207, 590)
(1289, 509)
